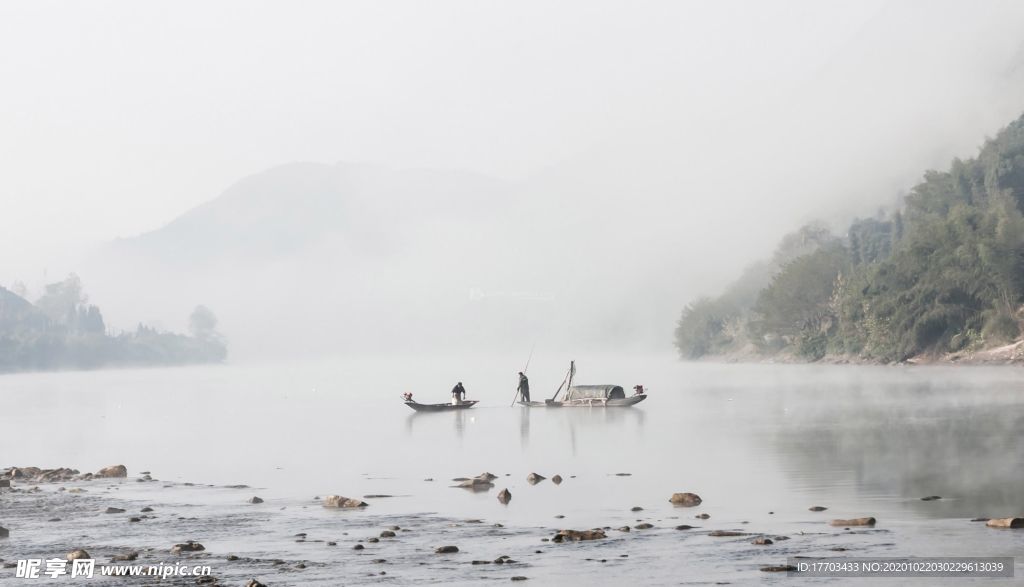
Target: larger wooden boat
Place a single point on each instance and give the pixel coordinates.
(588, 396)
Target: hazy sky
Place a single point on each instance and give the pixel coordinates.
(117, 116)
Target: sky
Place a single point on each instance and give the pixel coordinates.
(710, 128)
(117, 116)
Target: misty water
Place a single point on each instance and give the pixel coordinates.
(759, 443)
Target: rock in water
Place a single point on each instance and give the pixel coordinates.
(189, 546)
(113, 471)
(534, 478)
(817, 508)
(557, 479)
(762, 541)
(931, 498)
(114, 511)
(77, 554)
(446, 549)
(779, 569)
(387, 534)
(725, 533)
(338, 501)
(487, 476)
(505, 496)
(577, 535)
(120, 558)
(476, 483)
(255, 499)
(4, 532)
(254, 583)
(685, 499)
(854, 522)
(1005, 523)
(644, 526)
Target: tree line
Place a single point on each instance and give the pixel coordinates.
(942, 273)
(62, 330)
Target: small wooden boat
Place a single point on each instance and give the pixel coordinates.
(440, 407)
(589, 396)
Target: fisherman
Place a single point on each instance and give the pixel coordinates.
(458, 394)
(524, 387)
(638, 390)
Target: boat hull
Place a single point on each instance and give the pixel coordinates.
(440, 407)
(588, 403)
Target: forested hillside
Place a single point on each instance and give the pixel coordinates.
(943, 273)
(63, 331)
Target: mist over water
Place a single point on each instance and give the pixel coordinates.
(759, 443)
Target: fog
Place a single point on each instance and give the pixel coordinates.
(368, 176)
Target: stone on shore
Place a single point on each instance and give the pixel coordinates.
(113, 471)
(338, 501)
(77, 554)
(779, 569)
(446, 549)
(534, 478)
(685, 499)
(1005, 523)
(505, 496)
(190, 546)
(854, 522)
(578, 535)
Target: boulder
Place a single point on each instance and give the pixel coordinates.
(557, 479)
(476, 483)
(446, 549)
(534, 478)
(338, 501)
(779, 569)
(190, 546)
(77, 554)
(685, 499)
(255, 499)
(113, 471)
(1005, 523)
(505, 496)
(854, 522)
(578, 535)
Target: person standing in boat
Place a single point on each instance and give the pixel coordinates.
(524, 386)
(458, 394)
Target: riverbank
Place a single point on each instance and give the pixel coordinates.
(239, 538)
(1010, 354)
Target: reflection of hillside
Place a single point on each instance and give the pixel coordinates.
(969, 454)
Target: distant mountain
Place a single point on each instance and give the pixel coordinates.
(293, 207)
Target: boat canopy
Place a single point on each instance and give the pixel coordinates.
(584, 392)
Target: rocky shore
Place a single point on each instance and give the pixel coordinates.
(66, 514)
